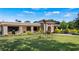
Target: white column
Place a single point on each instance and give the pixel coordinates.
(32, 30)
(45, 28)
(52, 28)
(20, 29)
(5, 30)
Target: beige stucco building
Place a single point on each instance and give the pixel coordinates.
(6, 28)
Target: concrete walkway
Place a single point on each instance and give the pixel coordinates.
(65, 34)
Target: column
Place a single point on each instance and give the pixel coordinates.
(52, 28)
(32, 30)
(5, 30)
(44, 28)
(20, 30)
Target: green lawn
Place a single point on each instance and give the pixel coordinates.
(40, 42)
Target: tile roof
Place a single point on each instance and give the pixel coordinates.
(19, 23)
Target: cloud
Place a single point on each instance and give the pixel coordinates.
(29, 12)
(54, 12)
(67, 15)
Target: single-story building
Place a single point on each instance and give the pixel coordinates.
(6, 28)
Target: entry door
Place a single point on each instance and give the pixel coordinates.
(49, 28)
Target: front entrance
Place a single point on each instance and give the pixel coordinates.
(49, 28)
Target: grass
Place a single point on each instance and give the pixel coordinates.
(40, 42)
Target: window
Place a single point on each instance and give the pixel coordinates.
(35, 28)
(11, 28)
(28, 28)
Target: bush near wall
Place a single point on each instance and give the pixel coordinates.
(70, 31)
(66, 31)
(58, 30)
(29, 33)
(78, 30)
(75, 32)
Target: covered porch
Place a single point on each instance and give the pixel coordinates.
(9, 30)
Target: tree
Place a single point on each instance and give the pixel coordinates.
(35, 22)
(63, 25)
(27, 21)
(44, 21)
(17, 20)
(52, 20)
(77, 22)
(71, 25)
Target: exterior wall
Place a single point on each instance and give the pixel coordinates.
(52, 28)
(5, 30)
(32, 29)
(46, 27)
(20, 29)
(23, 28)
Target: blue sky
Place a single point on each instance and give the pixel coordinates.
(35, 14)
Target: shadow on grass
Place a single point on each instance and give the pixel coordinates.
(36, 45)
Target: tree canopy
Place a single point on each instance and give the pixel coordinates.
(63, 25)
(77, 22)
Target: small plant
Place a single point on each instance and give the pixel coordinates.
(78, 30)
(40, 31)
(13, 32)
(29, 33)
(57, 30)
(39, 37)
(10, 33)
(74, 31)
(67, 30)
(48, 32)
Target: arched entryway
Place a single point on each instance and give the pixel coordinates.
(49, 28)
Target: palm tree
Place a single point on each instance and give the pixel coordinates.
(44, 21)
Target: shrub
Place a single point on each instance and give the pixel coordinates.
(66, 31)
(29, 33)
(13, 32)
(57, 30)
(78, 30)
(48, 32)
(38, 32)
(74, 31)
(41, 31)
